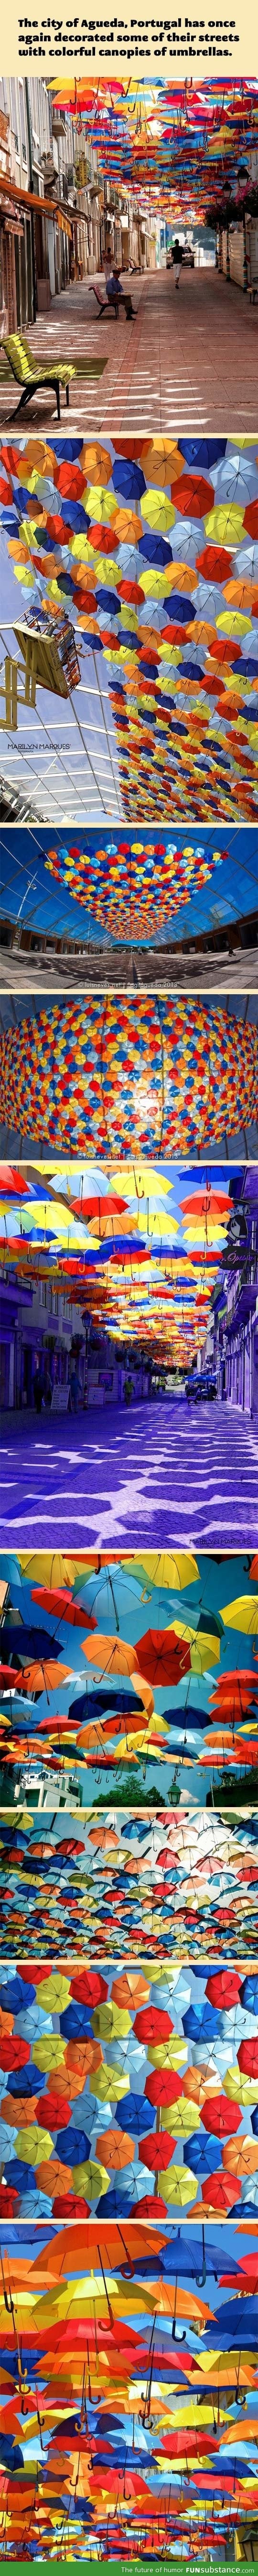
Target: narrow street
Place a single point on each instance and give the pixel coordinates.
(185, 1474)
(189, 362)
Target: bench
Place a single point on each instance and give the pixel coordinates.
(110, 304)
(253, 289)
(104, 307)
(29, 376)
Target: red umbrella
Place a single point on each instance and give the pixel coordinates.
(248, 2056)
(193, 496)
(184, 2443)
(224, 1987)
(9, 2202)
(162, 2087)
(215, 562)
(67, 2206)
(53, 2111)
(88, 1987)
(54, 1599)
(219, 2191)
(153, 2024)
(220, 2117)
(14, 2052)
(162, 1657)
(157, 2151)
(148, 2205)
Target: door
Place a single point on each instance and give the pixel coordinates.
(29, 271)
(17, 281)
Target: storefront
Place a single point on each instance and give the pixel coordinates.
(48, 252)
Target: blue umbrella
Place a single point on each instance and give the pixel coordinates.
(68, 448)
(203, 2025)
(154, 550)
(180, 611)
(72, 2145)
(76, 2022)
(204, 2155)
(193, 2257)
(11, 2455)
(25, 2080)
(15, 1995)
(108, 599)
(117, 2203)
(249, 1994)
(136, 2115)
(128, 479)
(202, 451)
(74, 515)
(22, 2177)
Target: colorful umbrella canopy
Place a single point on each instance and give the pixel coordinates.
(183, 694)
(138, 886)
(156, 1743)
(69, 2123)
(171, 1079)
(125, 2390)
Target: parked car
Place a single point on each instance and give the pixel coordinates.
(201, 1387)
(188, 256)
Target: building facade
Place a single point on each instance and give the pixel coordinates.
(58, 214)
(231, 1345)
(39, 1333)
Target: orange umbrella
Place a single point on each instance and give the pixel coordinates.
(112, 1654)
(39, 1677)
(115, 2149)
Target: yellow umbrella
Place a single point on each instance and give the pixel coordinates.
(181, 2117)
(158, 511)
(179, 2185)
(90, 2180)
(31, 2145)
(54, 1992)
(205, 1649)
(242, 1613)
(48, 2052)
(240, 2088)
(111, 2021)
(162, 1568)
(109, 2083)
(173, 2054)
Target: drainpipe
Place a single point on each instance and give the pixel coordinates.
(34, 274)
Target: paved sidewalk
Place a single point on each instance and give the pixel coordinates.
(90, 972)
(167, 1472)
(190, 363)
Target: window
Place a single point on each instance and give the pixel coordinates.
(14, 113)
(23, 123)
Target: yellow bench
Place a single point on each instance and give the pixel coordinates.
(31, 377)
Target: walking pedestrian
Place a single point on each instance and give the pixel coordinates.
(177, 256)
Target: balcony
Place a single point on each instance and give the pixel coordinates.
(4, 130)
(242, 1304)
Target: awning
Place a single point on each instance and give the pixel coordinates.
(40, 205)
(9, 217)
